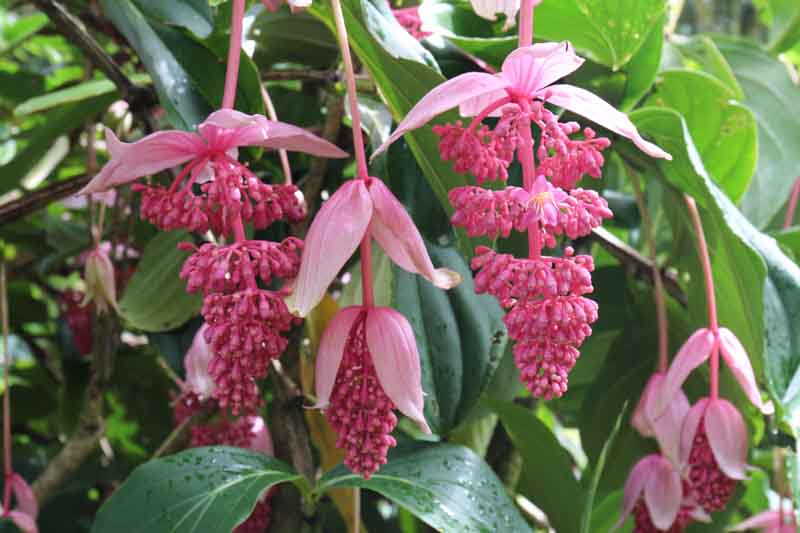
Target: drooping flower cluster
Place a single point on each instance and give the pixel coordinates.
(215, 192)
(549, 314)
(408, 17)
(250, 432)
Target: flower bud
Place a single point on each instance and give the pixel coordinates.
(101, 287)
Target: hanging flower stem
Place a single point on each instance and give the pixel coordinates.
(658, 284)
(705, 259)
(8, 469)
(526, 23)
(282, 154)
(234, 55)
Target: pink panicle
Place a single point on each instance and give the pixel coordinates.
(232, 268)
(360, 411)
(486, 213)
(710, 486)
(244, 333)
(644, 522)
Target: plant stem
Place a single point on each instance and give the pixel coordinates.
(526, 23)
(7, 464)
(356, 510)
(658, 285)
(792, 207)
(367, 295)
(234, 55)
(358, 137)
(705, 260)
(273, 115)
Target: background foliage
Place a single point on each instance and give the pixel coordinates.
(713, 82)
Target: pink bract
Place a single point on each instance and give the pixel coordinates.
(340, 226)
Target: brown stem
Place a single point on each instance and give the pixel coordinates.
(637, 264)
(41, 198)
(91, 424)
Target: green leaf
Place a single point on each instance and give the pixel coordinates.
(460, 336)
(74, 93)
(769, 92)
(449, 487)
(700, 52)
(299, 38)
(785, 30)
(790, 238)
(643, 68)
(724, 132)
(20, 30)
(547, 479)
(607, 32)
(194, 15)
(177, 90)
(402, 84)
(751, 272)
(42, 137)
(196, 491)
(156, 298)
(588, 508)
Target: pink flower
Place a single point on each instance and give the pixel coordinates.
(367, 366)
(769, 522)
(27, 510)
(696, 351)
(527, 74)
(339, 227)
(408, 18)
(714, 450)
(666, 428)
(101, 287)
(196, 361)
(654, 495)
(221, 133)
(294, 5)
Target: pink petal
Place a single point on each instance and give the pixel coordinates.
(727, 435)
(228, 128)
(474, 106)
(26, 500)
(489, 9)
(394, 230)
(443, 97)
(596, 109)
(196, 361)
(663, 493)
(691, 355)
(262, 440)
(334, 235)
(689, 429)
(154, 153)
(287, 137)
(24, 522)
(761, 520)
(640, 421)
(667, 427)
(272, 5)
(634, 486)
(393, 347)
(736, 357)
(331, 350)
(531, 68)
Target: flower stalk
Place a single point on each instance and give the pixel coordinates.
(234, 55)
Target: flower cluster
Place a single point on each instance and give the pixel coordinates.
(549, 314)
(250, 432)
(215, 192)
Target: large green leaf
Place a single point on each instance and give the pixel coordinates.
(449, 487)
(292, 37)
(202, 490)
(156, 298)
(724, 132)
(609, 33)
(195, 15)
(751, 272)
(176, 89)
(402, 83)
(643, 68)
(547, 477)
(769, 92)
(74, 93)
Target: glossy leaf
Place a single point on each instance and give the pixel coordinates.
(155, 299)
(547, 460)
(196, 491)
(724, 132)
(449, 487)
(769, 92)
(74, 93)
(300, 38)
(195, 15)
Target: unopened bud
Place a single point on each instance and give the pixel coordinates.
(101, 287)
